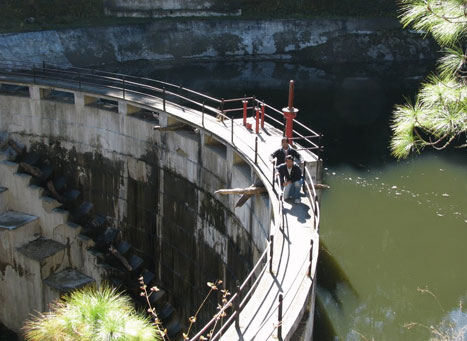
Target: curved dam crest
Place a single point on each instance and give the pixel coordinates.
(319, 40)
(155, 187)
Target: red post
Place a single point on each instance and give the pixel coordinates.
(262, 115)
(291, 88)
(245, 102)
(257, 120)
(290, 112)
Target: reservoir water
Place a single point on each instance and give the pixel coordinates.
(393, 234)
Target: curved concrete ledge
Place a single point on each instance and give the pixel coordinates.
(228, 160)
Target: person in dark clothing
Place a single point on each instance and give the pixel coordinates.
(282, 152)
(290, 176)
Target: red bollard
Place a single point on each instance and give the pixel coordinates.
(257, 120)
(245, 102)
(262, 115)
(290, 112)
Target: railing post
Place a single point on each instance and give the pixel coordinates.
(257, 120)
(163, 98)
(222, 107)
(282, 213)
(245, 105)
(123, 86)
(256, 150)
(237, 305)
(274, 175)
(262, 115)
(315, 213)
(253, 105)
(279, 324)
(232, 132)
(311, 258)
(202, 115)
(304, 176)
(271, 251)
(319, 146)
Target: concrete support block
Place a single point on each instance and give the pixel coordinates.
(163, 119)
(79, 99)
(3, 156)
(92, 266)
(122, 107)
(44, 256)
(68, 280)
(64, 281)
(35, 92)
(23, 179)
(8, 168)
(48, 204)
(82, 99)
(78, 245)
(17, 228)
(166, 119)
(36, 191)
(125, 108)
(66, 233)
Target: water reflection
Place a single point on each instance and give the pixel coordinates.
(454, 326)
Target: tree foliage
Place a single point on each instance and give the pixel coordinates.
(91, 314)
(438, 116)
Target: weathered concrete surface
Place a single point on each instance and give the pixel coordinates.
(171, 8)
(314, 40)
(156, 187)
(32, 247)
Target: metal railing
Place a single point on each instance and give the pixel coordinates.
(130, 88)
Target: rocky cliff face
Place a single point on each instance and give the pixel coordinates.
(313, 40)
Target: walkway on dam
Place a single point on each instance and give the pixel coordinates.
(292, 245)
(259, 318)
(293, 233)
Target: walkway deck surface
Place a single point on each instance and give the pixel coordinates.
(292, 244)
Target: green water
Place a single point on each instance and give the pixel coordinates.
(388, 234)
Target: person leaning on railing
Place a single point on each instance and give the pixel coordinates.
(284, 151)
(290, 176)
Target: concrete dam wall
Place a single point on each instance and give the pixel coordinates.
(319, 40)
(156, 188)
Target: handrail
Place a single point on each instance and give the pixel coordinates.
(121, 82)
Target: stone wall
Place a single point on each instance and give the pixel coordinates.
(313, 40)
